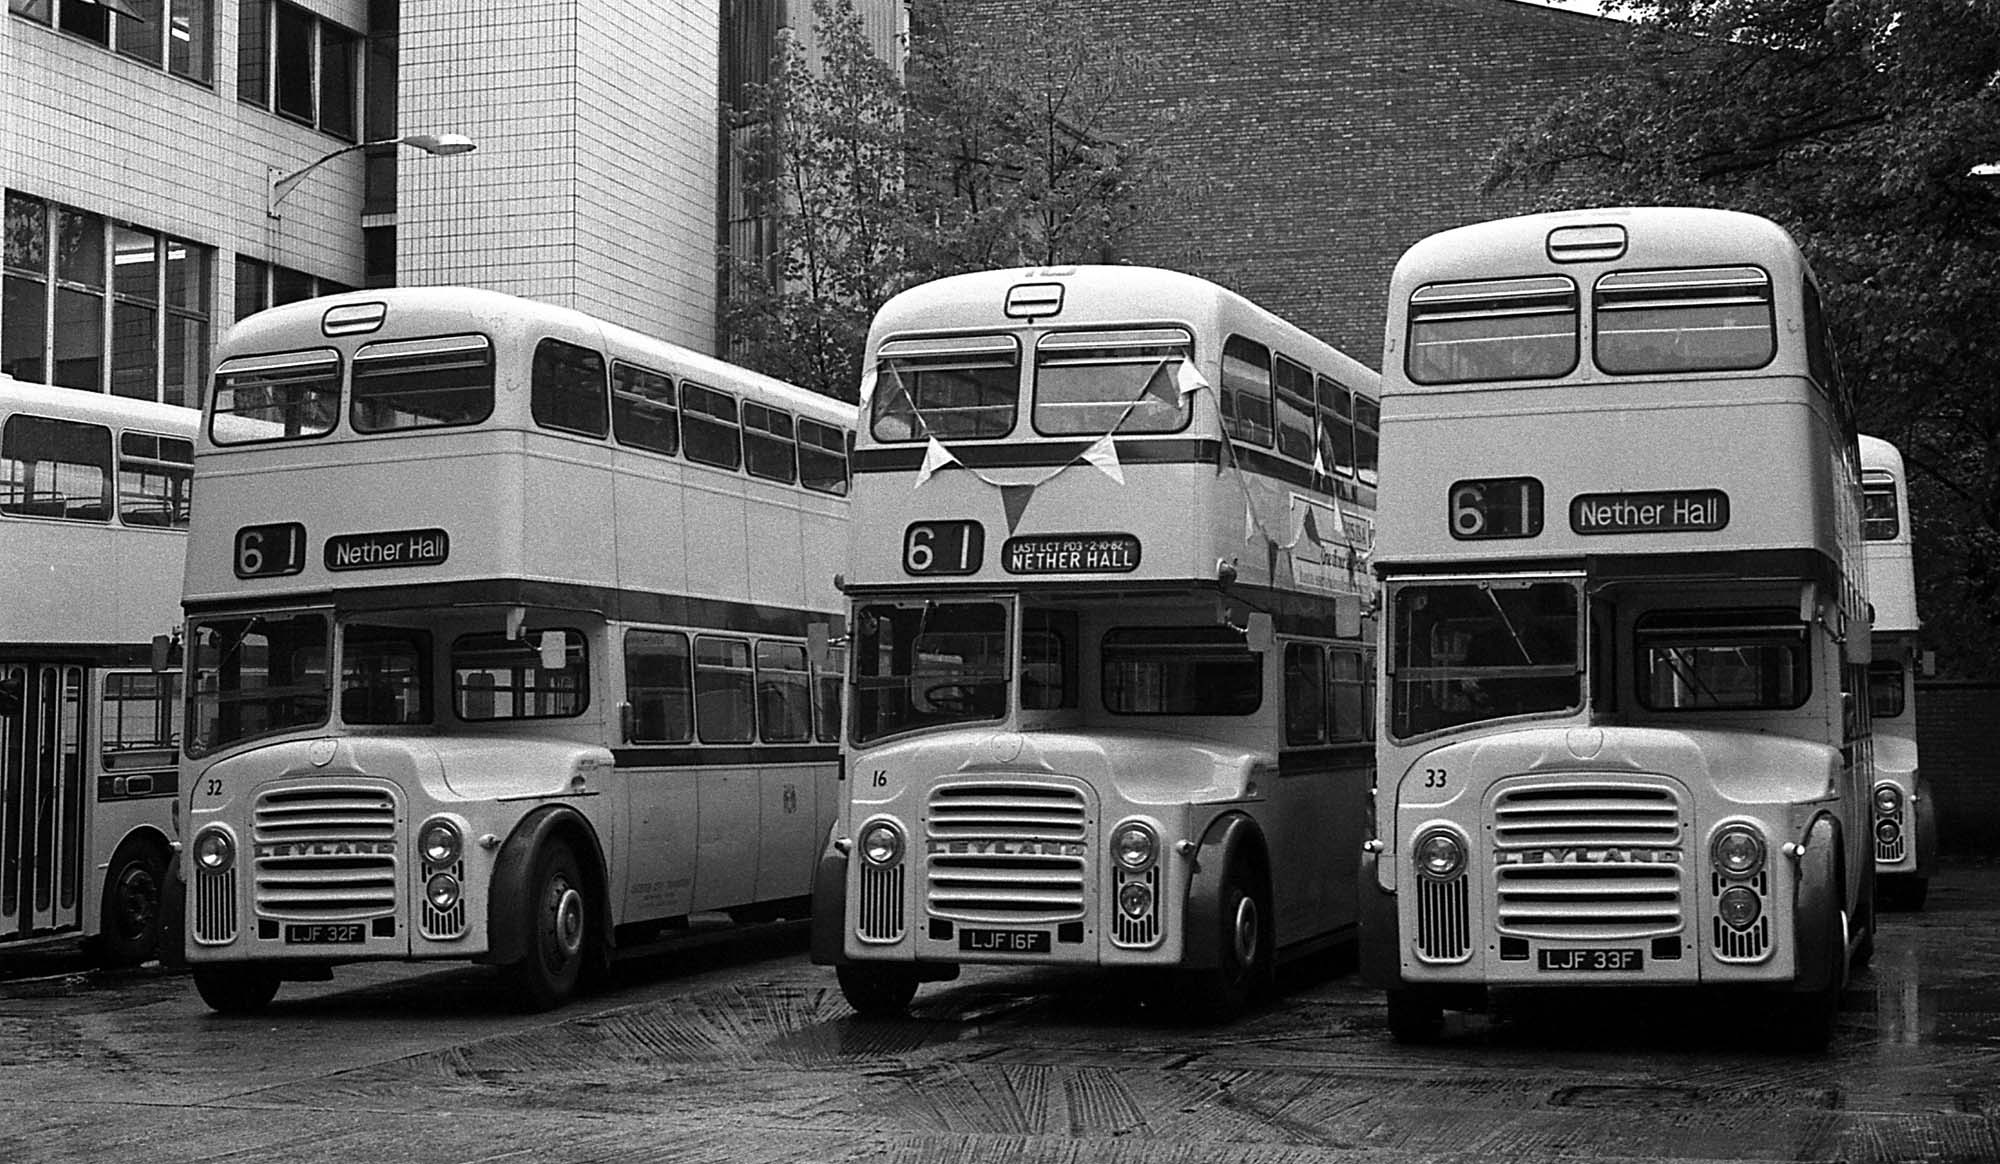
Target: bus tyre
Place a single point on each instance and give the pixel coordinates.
(1809, 1016)
(559, 930)
(129, 923)
(1414, 1017)
(235, 988)
(877, 991)
(1242, 973)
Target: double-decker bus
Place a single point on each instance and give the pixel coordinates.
(1906, 824)
(497, 642)
(1109, 678)
(93, 529)
(1624, 735)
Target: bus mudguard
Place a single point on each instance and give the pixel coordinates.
(829, 905)
(1226, 837)
(506, 937)
(1819, 890)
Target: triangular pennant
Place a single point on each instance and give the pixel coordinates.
(867, 390)
(1165, 389)
(1319, 456)
(1104, 454)
(1249, 519)
(1187, 379)
(1309, 530)
(1014, 499)
(936, 457)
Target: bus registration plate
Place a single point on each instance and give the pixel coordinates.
(325, 933)
(1590, 960)
(1004, 941)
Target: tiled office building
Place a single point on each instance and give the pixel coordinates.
(139, 140)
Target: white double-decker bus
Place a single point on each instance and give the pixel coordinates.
(93, 530)
(1109, 678)
(1905, 814)
(497, 641)
(1624, 740)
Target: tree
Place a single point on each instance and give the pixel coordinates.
(991, 153)
(1856, 124)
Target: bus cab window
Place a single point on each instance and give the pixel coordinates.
(928, 664)
(1465, 652)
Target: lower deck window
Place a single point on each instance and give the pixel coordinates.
(495, 677)
(385, 675)
(1181, 670)
(1722, 660)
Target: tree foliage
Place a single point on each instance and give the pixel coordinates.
(987, 153)
(1857, 124)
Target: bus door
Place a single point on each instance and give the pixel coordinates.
(41, 798)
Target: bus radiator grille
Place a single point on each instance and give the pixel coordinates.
(1007, 853)
(1588, 860)
(214, 906)
(881, 912)
(1444, 919)
(326, 852)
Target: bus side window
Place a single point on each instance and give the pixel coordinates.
(1353, 715)
(826, 696)
(1305, 694)
(658, 687)
(55, 468)
(1246, 391)
(725, 690)
(768, 448)
(823, 457)
(784, 693)
(709, 431)
(568, 390)
(1294, 410)
(642, 410)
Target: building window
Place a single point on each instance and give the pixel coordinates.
(299, 66)
(175, 35)
(260, 285)
(103, 306)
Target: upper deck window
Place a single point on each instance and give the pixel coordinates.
(769, 450)
(709, 427)
(1495, 329)
(1246, 390)
(55, 468)
(1722, 660)
(154, 478)
(423, 383)
(1709, 319)
(1881, 518)
(1295, 407)
(568, 389)
(642, 409)
(1367, 438)
(1111, 381)
(1180, 670)
(822, 457)
(279, 397)
(1336, 427)
(961, 388)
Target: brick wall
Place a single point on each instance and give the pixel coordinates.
(1323, 137)
(1956, 724)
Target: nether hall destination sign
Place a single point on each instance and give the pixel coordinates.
(1669, 511)
(382, 551)
(1096, 553)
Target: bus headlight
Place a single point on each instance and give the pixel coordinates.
(214, 851)
(1888, 831)
(881, 843)
(1135, 900)
(442, 891)
(440, 843)
(1738, 850)
(1739, 907)
(1439, 854)
(1134, 846)
(1888, 799)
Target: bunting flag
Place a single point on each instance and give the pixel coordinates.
(1250, 526)
(867, 390)
(1014, 499)
(1104, 454)
(936, 457)
(1309, 532)
(1187, 379)
(1319, 458)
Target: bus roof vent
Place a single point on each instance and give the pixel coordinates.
(1034, 300)
(1586, 244)
(353, 318)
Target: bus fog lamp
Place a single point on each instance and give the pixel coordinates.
(1888, 800)
(1888, 832)
(441, 891)
(214, 851)
(440, 843)
(1739, 851)
(1440, 854)
(881, 843)
(1739, 907)
(1135, 900)
(1134, 846)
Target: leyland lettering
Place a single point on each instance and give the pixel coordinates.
(1011, 848)
(1572, 856)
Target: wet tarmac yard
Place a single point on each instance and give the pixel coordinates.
(729, 1046)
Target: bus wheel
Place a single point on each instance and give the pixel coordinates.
(1242, 972)
(876, 991)
(129, 923)
(236, 989)
(559, 931)
(1414, 1017)
(1809, 1017)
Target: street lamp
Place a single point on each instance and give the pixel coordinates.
(442, 144)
